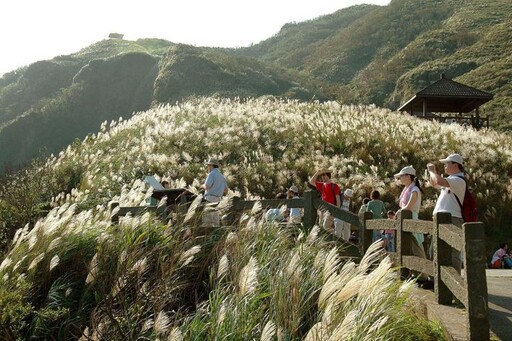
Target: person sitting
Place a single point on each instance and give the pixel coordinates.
(500, 258)
(295, 212)
(276, 214)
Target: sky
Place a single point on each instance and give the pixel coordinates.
(33, 30)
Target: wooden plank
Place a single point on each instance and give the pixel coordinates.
(454, 281)
(242, 205)
(418, 226)
(418, 264)
(452, 235)
(381, 224)
(337, 212)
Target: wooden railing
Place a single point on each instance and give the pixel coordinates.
(469, 287)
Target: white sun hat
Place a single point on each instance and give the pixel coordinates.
(406, 170)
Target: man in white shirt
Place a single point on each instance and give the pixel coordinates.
(215, 185)
(449, 187)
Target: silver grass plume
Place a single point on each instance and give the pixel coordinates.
(331, 264)
(313, 235)
(162, 323)
(268, 331)
(187, 256)
(223, 267)
(248, 278)
(374, 254)
(175, 335)
(193, 208)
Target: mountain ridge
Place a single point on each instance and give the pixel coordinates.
(362, 54)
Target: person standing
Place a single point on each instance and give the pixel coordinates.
(330, 192)
(295, 213)
(410, 199)
(215, 185)
(378, 209)
(449, 187)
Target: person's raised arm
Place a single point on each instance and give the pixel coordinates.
(314, 177)
(436, 180)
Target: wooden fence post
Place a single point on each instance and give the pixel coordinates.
(366, 235)
(403, 241)
(475, 281)
(442, 257)
(310, 214)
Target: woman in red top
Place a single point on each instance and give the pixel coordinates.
(330, 193)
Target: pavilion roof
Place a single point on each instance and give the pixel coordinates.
(446, 95)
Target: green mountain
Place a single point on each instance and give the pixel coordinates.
(363, 54)
(384, 55)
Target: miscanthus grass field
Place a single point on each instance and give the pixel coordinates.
(67, 272)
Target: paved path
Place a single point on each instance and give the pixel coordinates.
(499, 287)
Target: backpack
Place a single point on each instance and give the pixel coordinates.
(468, 207)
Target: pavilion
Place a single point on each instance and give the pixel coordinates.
(448, 96)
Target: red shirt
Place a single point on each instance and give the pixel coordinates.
(329, 191)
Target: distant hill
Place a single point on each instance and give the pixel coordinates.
(363, 54)
(47, 105)
(384, 55)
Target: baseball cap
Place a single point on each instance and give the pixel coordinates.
(348, 192)
(294, 189)
(406, 170)
(453, 158)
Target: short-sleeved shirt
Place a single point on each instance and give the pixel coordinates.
(498, 255)
(216, 183)
(378, 209)
(406, 196)
(329, 191)
(447, 201)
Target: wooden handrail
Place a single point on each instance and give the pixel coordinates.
(469, 288)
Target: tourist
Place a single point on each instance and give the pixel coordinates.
(449, 187)
(295, 212)
(215, 185)
(389, 235)
(410, 199)
(501, 258)
(378, 209)
(330, 192)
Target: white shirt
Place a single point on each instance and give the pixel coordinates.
(447, 201)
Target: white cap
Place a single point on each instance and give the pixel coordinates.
(348, 192)
(453, 158)
(406, 170)
(294, 189)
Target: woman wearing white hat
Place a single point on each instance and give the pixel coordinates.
(410, 199)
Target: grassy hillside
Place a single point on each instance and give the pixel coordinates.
(188, 71)
(362, 55)
(268, 145)
(46, 106)
(384, 55)
(73, 273)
